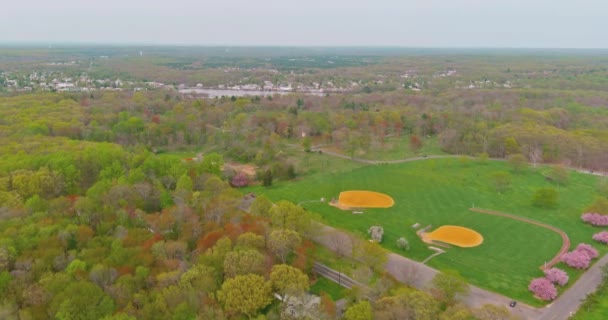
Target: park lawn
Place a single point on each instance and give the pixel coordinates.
(439, 192)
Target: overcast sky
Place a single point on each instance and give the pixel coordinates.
(409, 23)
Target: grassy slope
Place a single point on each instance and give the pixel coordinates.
(440, 191)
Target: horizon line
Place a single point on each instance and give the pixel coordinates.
(47, 44)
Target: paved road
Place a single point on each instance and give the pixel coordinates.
(571, 300)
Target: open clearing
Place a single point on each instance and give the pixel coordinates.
(456, 235)
(440, 192)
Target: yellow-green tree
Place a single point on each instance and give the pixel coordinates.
(287, 280)
(361, 310)
(245, 294)
(282, 242)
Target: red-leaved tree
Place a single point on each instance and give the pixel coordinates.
(601, 237)
(543, 289)
(557, 276)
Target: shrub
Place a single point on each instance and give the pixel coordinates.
(576, 259)
(595, 219)
(376, 233)
(587, 249)
(545, 198)
(543, 289)
(403, 244)
(557, 276)
(267, 178)
(601, 237)
(240, 180)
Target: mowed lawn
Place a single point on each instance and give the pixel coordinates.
(439, 192)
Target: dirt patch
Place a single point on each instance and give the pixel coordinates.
(455, 235)
(248, 169)
(357, 199)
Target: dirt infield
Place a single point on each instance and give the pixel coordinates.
(455, 235)
(363, 199)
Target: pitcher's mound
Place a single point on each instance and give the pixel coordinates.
(363, 199)
(455, 235)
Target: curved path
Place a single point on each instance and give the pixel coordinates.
(366, 161)
(565, 239)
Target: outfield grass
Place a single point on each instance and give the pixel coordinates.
(440, 192)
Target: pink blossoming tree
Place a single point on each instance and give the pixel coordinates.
(588, 249)
(601, 237)
(595, 219)
(557, 276)
(576, 259)
(240, 180)
(543, 289)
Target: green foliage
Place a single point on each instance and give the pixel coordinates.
(76, 267)
(501, 181)
(261, 206)
(243, 262)
(249, 240)
(267, 178)
(559, 175)
(307, 144)
(286, 215)
(212, 163)
(483, 157)
(281, 242)
(5, 278)
(490, 311)
(545, 198)
(372, 255)
(287, 280)
(245, 294)
(418, 304)
(81, 301)
(600, 205)
(36, 204)
(361, 310)
(184, 183)
(518, 162)
(450, 284)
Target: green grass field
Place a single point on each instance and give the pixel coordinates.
(334, 290)
(440, 192)
(396, 148)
